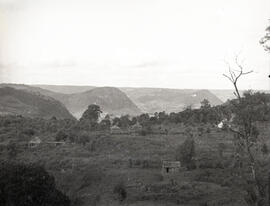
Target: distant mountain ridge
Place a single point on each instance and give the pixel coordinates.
(170, 100)
(65, 89)
(21, 102)
(110, 99)
(126, 100)
(151, 100)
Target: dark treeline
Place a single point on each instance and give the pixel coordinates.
(28, 185)
(203, 115)
(22, 128)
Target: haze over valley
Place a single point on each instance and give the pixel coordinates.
(122, 101)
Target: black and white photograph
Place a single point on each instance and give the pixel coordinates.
(134, 103)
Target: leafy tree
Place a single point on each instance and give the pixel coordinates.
(205, 104)
(162, 116)
(83, 138)
(185, 153)
(61, 136)
(124, 121)
(105, 125)
(133, 121)
(265, 149)
(92, 113)
(116, 121)
(143, 119)
(265, 41)
(28, 185)
(89, 119)
(107, 117)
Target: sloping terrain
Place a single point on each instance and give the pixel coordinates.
(31, 89)
(169, 100)
(89, 173)
(65, 89)
(21, 102)
(110, 99)
(225, 94)
(152, 100)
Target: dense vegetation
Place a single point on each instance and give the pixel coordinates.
(28, 185)
(96, 167)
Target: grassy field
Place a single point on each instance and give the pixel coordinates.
(89, 173)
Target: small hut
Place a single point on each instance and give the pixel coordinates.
(115, 130)
(34, 142)
(56, 143)
(169, 167)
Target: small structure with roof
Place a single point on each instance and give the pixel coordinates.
(56, 143)
(34, 142)
(169, 167)
(115, 130)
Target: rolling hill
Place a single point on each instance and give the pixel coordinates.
(127, 100)
(151, 100)
(169, 100)
(29, 104)
(110, 99)
(65, 89)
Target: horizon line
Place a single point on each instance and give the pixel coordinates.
(131, 87)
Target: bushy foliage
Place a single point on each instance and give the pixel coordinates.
(89, 119)
(205, 114)
(61, 136)
(120, 191)
(265, 149)
(105, 125)
(185, 153)
(92, 113)
(28, 185)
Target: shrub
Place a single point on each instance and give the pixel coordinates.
(61, 136)
(265, 149)
(185, 153)
(28, 185)
(83, 138)
(208, 130)
(120, 191)
(28, 132)
(12, 150)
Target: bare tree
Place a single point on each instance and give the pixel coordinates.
(243, 125)
(235, 74)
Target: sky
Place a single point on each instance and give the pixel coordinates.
(133, 43)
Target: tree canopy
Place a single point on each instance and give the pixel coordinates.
(92, 113)
(28, 185)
